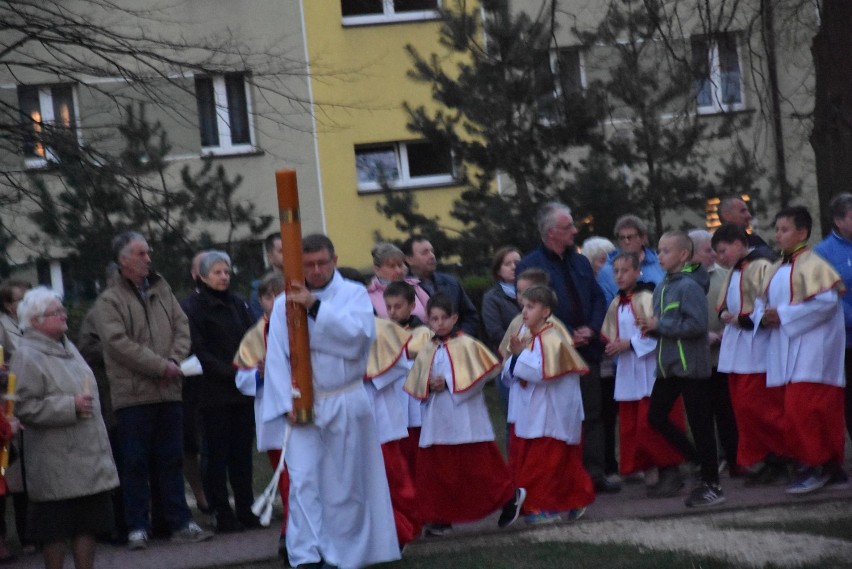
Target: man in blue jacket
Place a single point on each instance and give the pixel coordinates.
(420, 258)
(581, 308)
(837, 250)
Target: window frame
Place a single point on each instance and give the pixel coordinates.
(405, 180)
(553, 59)
(222, 111)
(47, 111)
(390, 16)
(714, 75)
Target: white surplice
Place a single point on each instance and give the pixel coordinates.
(340, 508)
(390, 402)
(454, 418)
(542, 408)
(636, 367)
(742, 351)
(811, 341)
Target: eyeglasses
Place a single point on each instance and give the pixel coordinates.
(629, 237)
(57, 312)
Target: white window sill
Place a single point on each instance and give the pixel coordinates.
(718, 110)
(230, 150)
(377, 19)
(413, 184)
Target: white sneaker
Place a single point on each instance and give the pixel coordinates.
(192, 533)
(137, 539)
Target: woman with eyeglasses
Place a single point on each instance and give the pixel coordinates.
(70, 471)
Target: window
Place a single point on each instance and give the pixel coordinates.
(560, 73)
(402, 165)
(48, 116)
(718, 78)
(358, 12)
(223, 113)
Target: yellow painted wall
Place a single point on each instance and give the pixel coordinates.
(359, 84)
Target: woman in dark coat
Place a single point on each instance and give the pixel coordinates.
(218, 320)
(499, 306)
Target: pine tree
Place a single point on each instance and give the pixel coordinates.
(103, 194)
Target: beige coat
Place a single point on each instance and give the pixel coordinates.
(139, 339)
(67, 456)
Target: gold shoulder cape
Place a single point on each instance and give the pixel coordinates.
(252, 348)
(470, 361)
(420, 338)
(388, 347)
(752, 284)
(515, 327)
(558, 356)
(810, 276)
(642, 304)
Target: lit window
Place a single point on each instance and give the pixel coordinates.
(223, 113)
(48, 117)
(718, 78)
(402, 165)
(357, 12)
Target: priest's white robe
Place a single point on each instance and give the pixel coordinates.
(340, 508)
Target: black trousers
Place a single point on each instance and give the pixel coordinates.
(723, 414)
(699, 412)
(609, 415)
(593, 426)
(229, 434)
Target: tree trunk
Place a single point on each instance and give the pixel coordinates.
(831, 138)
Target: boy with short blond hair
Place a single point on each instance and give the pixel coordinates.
(683, 366)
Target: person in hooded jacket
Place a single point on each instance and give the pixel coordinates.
(680, 324)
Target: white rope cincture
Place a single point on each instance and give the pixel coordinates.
(262, 507)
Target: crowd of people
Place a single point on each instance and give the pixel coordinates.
(602, 355)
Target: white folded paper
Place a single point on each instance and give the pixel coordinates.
(191, 366)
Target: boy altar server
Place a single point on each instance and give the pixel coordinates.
(546, 410)
(387, 368)
(641, 447)
(759, 409)
(461, 475)
(806, 343)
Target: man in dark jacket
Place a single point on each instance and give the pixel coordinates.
(582, 309)
(735, 210)
(420, 258)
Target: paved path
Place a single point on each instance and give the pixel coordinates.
(619, 517)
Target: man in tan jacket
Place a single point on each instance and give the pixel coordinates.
(145, 335)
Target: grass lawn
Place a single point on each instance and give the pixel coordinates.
(833, 528)
(561, 555)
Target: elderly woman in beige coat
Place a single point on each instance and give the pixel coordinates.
(69, 468)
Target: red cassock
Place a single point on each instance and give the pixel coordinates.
(461, 483)
(642, 447)
(814, 424)
(534, 462)
(760, 417)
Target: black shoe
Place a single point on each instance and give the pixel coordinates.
(228, 524)
(769, 473)
(282, 548)
(669, 484)
(606, 486)
(512, 509)
(250, 521)
(705, 495)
